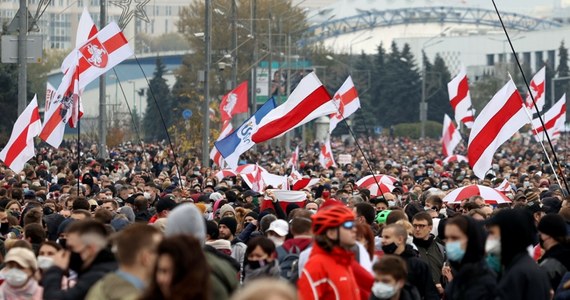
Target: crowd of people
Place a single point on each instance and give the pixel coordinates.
(149, 223)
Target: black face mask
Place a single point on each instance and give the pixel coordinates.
(15, 214)
(75, 262)
(390, 248)
(257, 264)
(4, 228)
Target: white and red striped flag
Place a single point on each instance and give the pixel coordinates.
(307, 102)
(450, 136)
(554, 120)
(460, 98)
(347, 102)
(234, 102)
(215, 155)
(20, 147)
(305, 183)
(50, 94)
(504, 187)
(501, 118)
(225, 173)
(537, 87)
(326, 157)
(294, 160)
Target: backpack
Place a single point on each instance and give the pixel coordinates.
(289, 263)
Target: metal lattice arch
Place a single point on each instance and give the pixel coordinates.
(371, 19)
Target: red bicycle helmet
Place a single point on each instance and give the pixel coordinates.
(331, 217)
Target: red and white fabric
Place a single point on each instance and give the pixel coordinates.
(50, 94)
(501, 118)
(346, 101)
(20, 147)
(234, 102)
(285, 198)
(504, 187)
(295, 175)
(460, 98)
(305, 183)
(372, 179)
(554, 120)
(294, 160)
(307, 102)
(257, 177)
(61, 109)
(450, 136)
(490, 195)
(537, 88)
(220, 175)
(326, 157)
(455, 158)
(215, 155)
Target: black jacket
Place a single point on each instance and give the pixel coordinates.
(103, 264)
(419, 274)
(472, 282)
(409, 292)
(556, 262)
(523, 279)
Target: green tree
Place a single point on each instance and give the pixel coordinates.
(153, 126)
(8, 99)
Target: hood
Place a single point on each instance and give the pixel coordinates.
(299, 243)
(475, 251)
(186, 219)
(517, 232)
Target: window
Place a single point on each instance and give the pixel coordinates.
(490, 59)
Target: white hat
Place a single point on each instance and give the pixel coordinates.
(280, 227)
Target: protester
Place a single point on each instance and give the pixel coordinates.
(260, 260)
(430, 251)
(511, 232)
(554, 240)
(19, 280)
(178, 275)
(391, 275)
(472, 278)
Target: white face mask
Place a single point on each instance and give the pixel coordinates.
(391, 203)
(277, 241)
(146, 195)
(16, 277)
(493, 246)
(383, 290)
(45, 262)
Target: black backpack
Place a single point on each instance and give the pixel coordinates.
(289, 263)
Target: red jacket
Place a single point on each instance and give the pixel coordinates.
(328, 276)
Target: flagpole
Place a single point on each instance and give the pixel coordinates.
(78, 150)
(532, 98)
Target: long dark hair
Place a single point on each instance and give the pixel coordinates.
(190, 278)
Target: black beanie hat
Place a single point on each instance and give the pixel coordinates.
(230, 222)
(252, 214)
(553, 225)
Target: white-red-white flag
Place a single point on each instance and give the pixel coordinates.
(450, 137)
(460, 98)
(554, 120)
(294, 160)
(20, 147)
(234, 102)
(60, 108)
(501, 118)
(307, 102)
(504, 187)
(108, 48)
(305, 183)
(537, 88)
(326, 157)
(215, 155)
(347, 102)
(50, 94)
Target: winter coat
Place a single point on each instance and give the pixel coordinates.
(271, 270)
(474, 281)
(419, 274)
(328, 275)
(223, 277)
(563, 293)
(30, 291)
(523, 279)
(86, 278)
(433, 254)
(113, 287)
(555, 262)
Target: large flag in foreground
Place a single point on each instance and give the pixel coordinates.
(234, 102)
(347, 102)
(450, 136)
(20, 147)
(537, 88)
(232, 146)
(307, 102)
(460, 99)
(501, 118)
(215, 155)
(554, 120)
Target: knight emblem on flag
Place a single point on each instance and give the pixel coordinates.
(229, 107)
(95, 53)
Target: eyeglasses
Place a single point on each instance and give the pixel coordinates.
(420, 226)
(348, 225)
